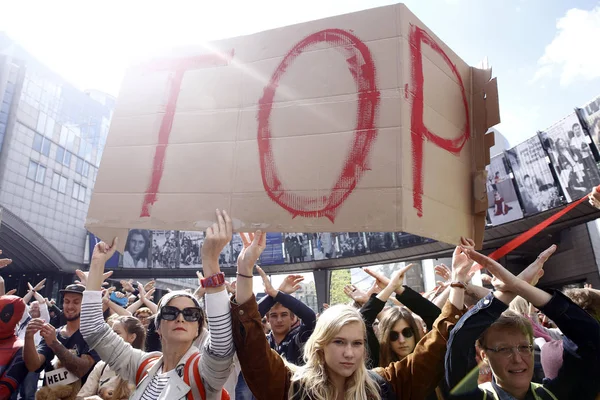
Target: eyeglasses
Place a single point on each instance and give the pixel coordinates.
(406, 332)
(190, 314)
(523, 350)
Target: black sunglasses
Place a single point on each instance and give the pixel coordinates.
(190, 314)
(406, 332)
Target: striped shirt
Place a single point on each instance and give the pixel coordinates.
(220, 341)
(156, 386)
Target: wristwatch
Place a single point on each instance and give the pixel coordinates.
(215, 280)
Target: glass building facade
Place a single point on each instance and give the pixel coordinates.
(51, 140)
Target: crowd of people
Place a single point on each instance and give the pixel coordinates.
(505, 339)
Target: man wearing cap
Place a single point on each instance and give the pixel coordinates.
(66, 343)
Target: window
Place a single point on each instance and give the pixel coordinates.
(55, 181)
(41, 144)
(41, 123)
(79, 191)
(63, 156)
(59, 183)
(49, 129)
(79, 166)
(67, 159)
(36, 172)
(41, 174)
(82, 190)
(86, 169)
(62, 186)
(31, 172)
(37, 142)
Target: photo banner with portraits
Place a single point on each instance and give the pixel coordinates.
(590, 115)
(138, 249)
(567, 146)
(535, 182)
(297, 247)
(503, 202)
(190, 245)
(165, 249)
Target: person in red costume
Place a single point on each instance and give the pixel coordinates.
(12, 366)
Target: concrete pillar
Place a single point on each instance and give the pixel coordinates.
(322, 284)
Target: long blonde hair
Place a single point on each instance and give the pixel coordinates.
(312, 378)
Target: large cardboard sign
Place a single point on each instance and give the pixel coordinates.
(360, 122)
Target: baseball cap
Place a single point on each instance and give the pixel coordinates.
(74, 288)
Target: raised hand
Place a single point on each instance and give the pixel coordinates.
(4, 261)
(461, 263)
(443, 271)
(107, 293)
(382, 281)
(291, 284)
(254, 245)
(467, 243)
(269, 289)
(149, 285)
(127, 285)
(373, 289)
(102, 252)
(503, 279)
(594, 198)
(11, 292)
(217, 237)
(83, 276)
(486, 279)
(356, 294)
(533, 273)
(150, 294)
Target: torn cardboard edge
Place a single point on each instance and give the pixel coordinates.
(485, 114)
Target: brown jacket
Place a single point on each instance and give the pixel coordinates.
(268, 378)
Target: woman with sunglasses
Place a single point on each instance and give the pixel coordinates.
(181, 371)
(335, 354)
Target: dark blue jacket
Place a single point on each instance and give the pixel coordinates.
(291, 346)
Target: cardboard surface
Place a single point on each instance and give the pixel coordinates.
(360, 122)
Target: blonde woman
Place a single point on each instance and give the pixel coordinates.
(335, 354)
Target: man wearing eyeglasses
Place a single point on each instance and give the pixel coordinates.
(505, 342)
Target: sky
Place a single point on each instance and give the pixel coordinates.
(544, 52)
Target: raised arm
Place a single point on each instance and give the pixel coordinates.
(579, 369)
(372, 308)
(302, 311)
(117, 309)
(264, 370)
(217, 357)
(417, 375)
(118, 354)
